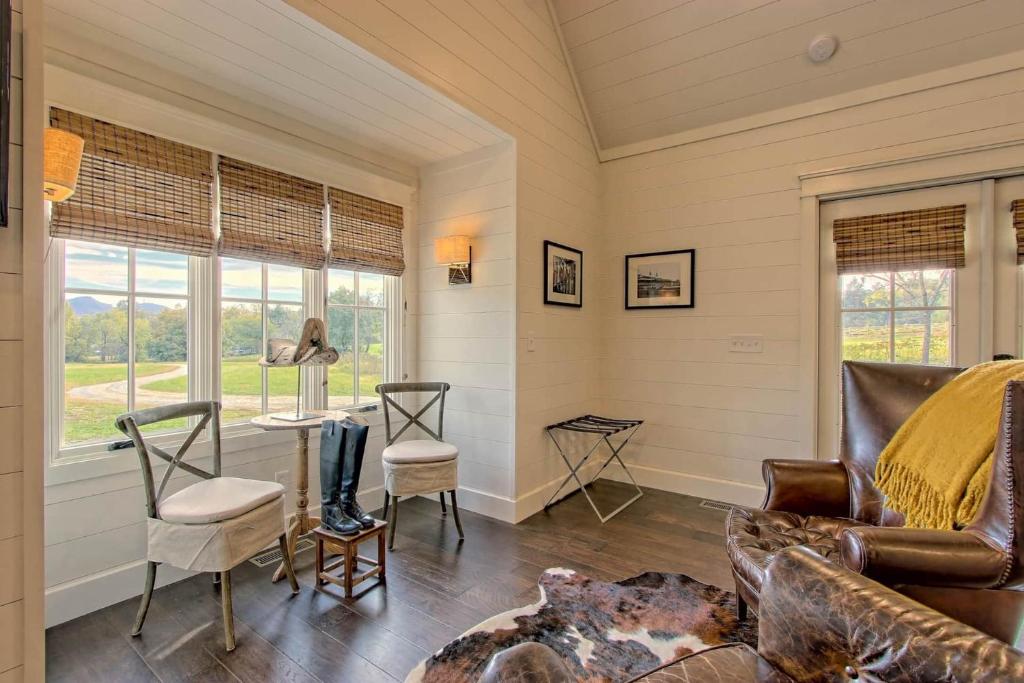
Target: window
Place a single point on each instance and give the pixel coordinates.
(259, 302)
(898, 317)
(356, 325)
(125, 336)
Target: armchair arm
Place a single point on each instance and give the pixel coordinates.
(899, 555)
(807, 487)
(819, 621)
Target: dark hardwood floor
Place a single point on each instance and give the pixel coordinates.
(436, 589)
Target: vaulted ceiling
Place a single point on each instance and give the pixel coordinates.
(648, 69)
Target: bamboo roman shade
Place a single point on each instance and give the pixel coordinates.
(136, 189)
(904, 240)
(1017, 207)
(366, 234)
(266, 215)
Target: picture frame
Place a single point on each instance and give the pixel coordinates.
(660, 279)
(563, 275)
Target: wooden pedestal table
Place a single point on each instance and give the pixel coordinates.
(300, 522)
(348, 548)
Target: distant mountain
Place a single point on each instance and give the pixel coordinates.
(87, 305)
(149, 308)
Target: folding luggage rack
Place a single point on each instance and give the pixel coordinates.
(604, 427)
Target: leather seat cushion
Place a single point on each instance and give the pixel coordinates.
(756, 536)
(420, 451)
(218, 499)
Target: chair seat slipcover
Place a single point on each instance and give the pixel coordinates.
(219, 499)
(420, 451)
(217, 546)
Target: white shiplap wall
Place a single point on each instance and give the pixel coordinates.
(12, 557)
(502, 60)
(713, 416)
(466, 331)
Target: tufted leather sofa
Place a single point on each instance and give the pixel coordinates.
(834, 508)
(818, 622)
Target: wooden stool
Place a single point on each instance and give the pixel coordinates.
(350, 558)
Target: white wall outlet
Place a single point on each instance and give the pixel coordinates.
(746, 343)
(531, 342)
(283, 478)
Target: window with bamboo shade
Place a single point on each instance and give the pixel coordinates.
(903, 240)
(270, 216)
(136, 189)
(1017, 207)
(366, 234)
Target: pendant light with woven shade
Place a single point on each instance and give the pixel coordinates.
(62, 158)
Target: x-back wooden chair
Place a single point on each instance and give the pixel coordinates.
(212, 525)
(417, 466)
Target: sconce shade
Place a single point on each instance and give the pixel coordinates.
(452, 249)
(62, 157)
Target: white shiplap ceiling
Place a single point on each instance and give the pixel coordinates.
(267, 53)
(653, 69)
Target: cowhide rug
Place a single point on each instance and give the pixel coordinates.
(603, 631)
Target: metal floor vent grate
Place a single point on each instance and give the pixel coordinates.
(273, 555)
(715, 505)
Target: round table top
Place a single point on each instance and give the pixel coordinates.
(271, 423)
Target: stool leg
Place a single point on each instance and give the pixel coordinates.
(392, 523)
(286, 557)
(147, 595)
(381, 555)
(319, 569)
(225, 605)
(444, 508)
(455, 514)
(387, 498)
(349, 567)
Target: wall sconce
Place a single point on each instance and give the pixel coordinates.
(456, 252)
(62, 157)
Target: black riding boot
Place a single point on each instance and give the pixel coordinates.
(332, 437)
(351, 465)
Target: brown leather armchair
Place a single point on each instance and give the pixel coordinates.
(819, 622)
(834, 508)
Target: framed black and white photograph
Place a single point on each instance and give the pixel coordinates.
(661, 279)
(563, 275)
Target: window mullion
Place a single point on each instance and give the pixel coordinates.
(355, 341)
(131, 329)
(264, 313)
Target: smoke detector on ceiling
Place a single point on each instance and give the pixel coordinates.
(822, 48)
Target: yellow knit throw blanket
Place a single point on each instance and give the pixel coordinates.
(936, 468)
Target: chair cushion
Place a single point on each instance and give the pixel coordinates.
(218, 499)
(419, 450)
(756, 536)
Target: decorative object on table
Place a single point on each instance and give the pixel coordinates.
(418, 467)
(563, 275)
(350, 557)
(212, 525)
(621, 629)
(602, 427)
(62, 159)
(311, 349)
(342, 446)
(660, 279)
(300, 522)
(5, 106)
(455, 252)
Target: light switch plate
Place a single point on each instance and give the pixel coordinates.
(531, 342)
(746, 343)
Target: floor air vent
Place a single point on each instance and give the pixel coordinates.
(273, 555)
(715, 505)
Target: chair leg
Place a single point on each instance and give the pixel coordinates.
(392, 523)
(444, 508)
(387, 498)
(225, 604)
(286, 558)
(455, 514)
(147, 595)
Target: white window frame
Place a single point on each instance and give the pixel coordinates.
(892, 309)
(201, 127)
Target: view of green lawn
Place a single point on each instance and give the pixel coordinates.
(871, 343)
